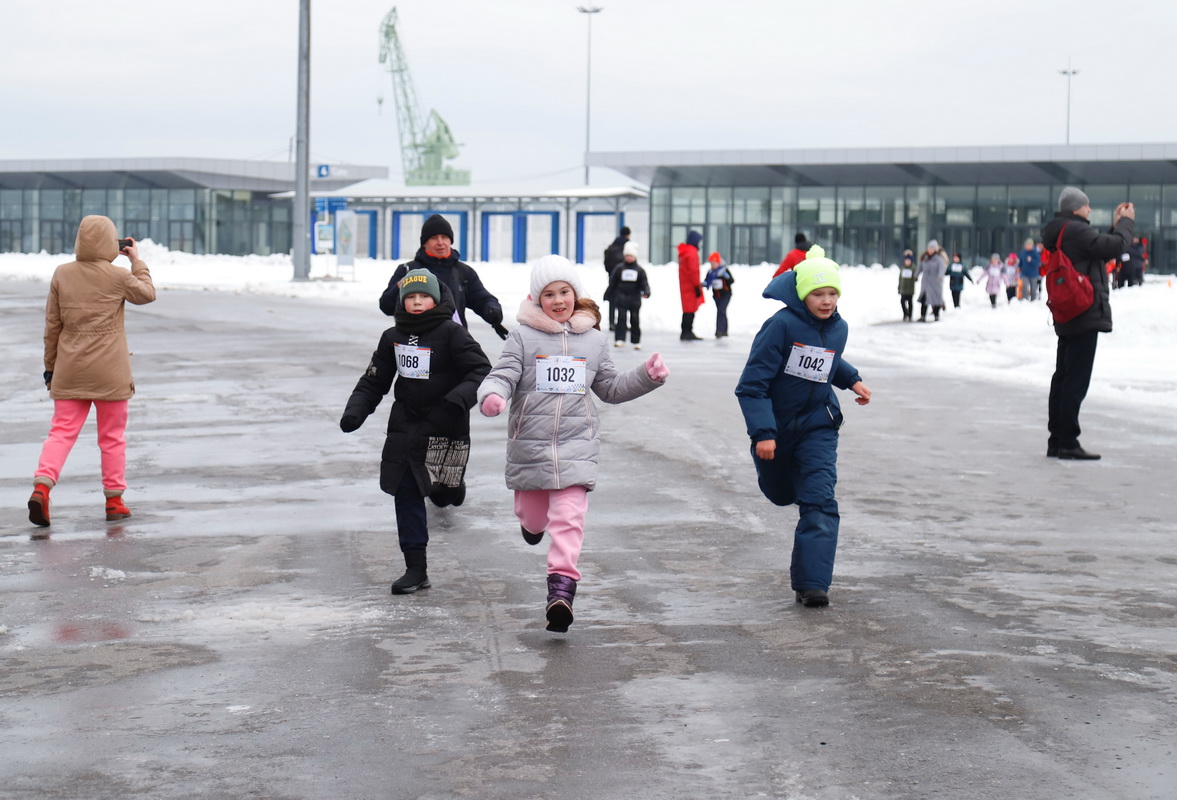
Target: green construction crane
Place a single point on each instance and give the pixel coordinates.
(425, 145)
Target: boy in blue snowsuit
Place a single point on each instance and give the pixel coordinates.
(792, 413)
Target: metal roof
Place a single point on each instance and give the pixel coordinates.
(171, 173)
(900, 166)
(389, 190)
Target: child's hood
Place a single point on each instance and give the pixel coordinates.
(784, 288)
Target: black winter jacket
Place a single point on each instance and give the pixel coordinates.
(436, 406)
(1089, 253)
(462, 280)
(628, 285)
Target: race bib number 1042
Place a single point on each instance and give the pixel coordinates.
(810, 363)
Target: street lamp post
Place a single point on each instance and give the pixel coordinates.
(301, 249)
(588, 91)
(1068, 72)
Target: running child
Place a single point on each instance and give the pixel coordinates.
(434, 366)
(548, 364)
(792, 414)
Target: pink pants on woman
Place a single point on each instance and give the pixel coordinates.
(68, 418)
(561, 513)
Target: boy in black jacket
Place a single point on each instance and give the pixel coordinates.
(438, 367)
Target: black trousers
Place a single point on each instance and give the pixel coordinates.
(412, 523)
(955, 298)
(688, 325)
(906, 305)
(612, 315)
(629, 321)
(1068, 387)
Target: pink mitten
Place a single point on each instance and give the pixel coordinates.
(493, 405)
(656, 368)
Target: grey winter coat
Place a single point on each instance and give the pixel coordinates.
(932, 279)
(553, 439)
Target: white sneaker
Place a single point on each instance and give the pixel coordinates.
(637, 347)
(619, 343)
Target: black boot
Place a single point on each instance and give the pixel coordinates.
(561, 591)
(415, 577)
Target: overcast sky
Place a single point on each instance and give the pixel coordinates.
(216, 78)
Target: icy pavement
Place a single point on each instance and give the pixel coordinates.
(1002, 624)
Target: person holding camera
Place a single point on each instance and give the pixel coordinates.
(1088, 250)
(87, 362)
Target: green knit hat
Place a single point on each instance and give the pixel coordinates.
(817, 271)
(421, 280)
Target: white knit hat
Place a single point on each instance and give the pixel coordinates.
(554, 268)
(630, 249)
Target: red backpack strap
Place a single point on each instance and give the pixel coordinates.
(1059, 244)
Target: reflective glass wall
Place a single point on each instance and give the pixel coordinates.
(189, 220)
(875, 224)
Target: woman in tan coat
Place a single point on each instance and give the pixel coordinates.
(87, 361)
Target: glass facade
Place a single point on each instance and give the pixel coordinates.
(869, 224)
(192, 220)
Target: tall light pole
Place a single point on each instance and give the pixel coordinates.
(588, 91)
(301, 249)
(1068, 72)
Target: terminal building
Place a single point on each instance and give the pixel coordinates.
(196, 205)
(235, 207)
(868, 205)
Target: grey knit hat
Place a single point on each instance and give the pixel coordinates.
(1071, 199)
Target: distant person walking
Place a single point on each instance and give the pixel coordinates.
(906, 286)
(689, 286)
(1135, 263)
(614, 256)
(628, 285)
(993, 278)
(1009, 274)
(1077, 339)
(719, 280)
(933, 264)
(795, 256)
(437, 254)
(87, 362)
(1030, 261)
(957, 272)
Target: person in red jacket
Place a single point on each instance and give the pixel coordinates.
(795, 256)
(689, 285)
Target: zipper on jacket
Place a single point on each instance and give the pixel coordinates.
(556, 426)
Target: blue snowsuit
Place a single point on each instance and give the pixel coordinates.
(803, 416)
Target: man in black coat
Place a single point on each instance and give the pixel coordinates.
(1089, 252)
(437, 254)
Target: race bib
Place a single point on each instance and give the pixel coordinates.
(810, 363)
(560, 374)
(629, 275)
(957, 269)
(906, 272)
(412, 362)
(717, 284)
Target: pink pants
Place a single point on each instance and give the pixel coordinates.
(560, 512)
(68, 418)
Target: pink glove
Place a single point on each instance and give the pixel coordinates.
(656, 369)
(493, 405)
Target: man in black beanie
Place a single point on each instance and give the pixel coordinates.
(437, 254)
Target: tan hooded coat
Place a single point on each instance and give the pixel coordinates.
(85, 341)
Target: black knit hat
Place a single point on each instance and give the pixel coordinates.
(435, 225)
(799, 239)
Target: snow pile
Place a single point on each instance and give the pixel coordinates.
(1012, 343)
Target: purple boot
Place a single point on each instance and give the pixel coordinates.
(561, 590)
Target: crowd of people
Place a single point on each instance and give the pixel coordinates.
(558, 353)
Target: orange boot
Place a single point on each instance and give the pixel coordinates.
(39, 504)
(116, 509)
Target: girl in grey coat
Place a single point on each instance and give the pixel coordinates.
(548, 364)
(933, 263)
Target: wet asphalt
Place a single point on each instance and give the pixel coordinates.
(1002, 625)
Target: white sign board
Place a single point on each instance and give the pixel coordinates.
(324, 237)
(346, 225)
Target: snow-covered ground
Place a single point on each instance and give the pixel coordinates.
(1012, 343)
